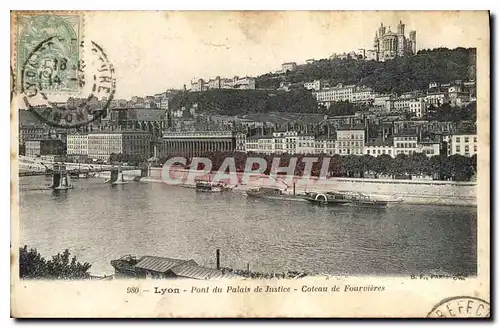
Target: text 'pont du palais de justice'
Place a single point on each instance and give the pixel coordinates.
(230, 289)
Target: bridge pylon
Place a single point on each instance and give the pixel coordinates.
(61, 179)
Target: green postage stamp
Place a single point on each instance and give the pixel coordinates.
(61, 35)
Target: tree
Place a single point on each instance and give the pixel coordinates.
(461, 167)
(418, 164)
(367, 164)
(33, 266)
(117, 157)
(299, 166)
(440, 167)
(382, 164)
(453, 114)
(336, 166)
(352, 165)
(473, 161)
(399, 165)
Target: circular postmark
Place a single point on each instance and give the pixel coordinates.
(53, 78)
(461, 307)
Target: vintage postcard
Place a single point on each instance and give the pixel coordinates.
(212, 164)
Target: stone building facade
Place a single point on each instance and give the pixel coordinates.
(101, 144)
(196, 143)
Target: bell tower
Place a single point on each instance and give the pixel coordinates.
(401, 39)
(401, 28)
(381, 31)
(376, 43)
(413, 42)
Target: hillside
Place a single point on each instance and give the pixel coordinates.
(398, 75)
(234, 102)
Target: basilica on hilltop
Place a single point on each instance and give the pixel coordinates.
(388, 44)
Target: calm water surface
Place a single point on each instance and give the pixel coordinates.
(99, 222)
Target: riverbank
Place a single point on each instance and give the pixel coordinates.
(415, 192)
(234, 272)
(229, 273)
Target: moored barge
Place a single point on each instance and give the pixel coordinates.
(208, 186)
(273, 193)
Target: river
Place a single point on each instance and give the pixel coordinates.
(99, 223)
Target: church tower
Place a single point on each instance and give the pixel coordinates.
(401, 39)
(380, 48)
(381, 31)
(413, 42)
(376, 45)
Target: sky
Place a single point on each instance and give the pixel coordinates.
(154, 51)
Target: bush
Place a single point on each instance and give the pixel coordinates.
(33, 266)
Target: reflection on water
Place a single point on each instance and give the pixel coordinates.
(99, 222)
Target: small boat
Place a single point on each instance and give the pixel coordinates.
(273, 193)
(327, 198)
(207, 186)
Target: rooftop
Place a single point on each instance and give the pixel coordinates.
(195, 271)
(465, 132)
(77, 134)
(160, 264)
(118, 132)
(429, 142)
(305, 134)
(326, 137)
(143, 114)
(43, 139)
(351, 128)
(257, 137)
(389, 33)
(191, 134)
(380, 142)
(406, 133)
(437, 92)
(181, 268)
